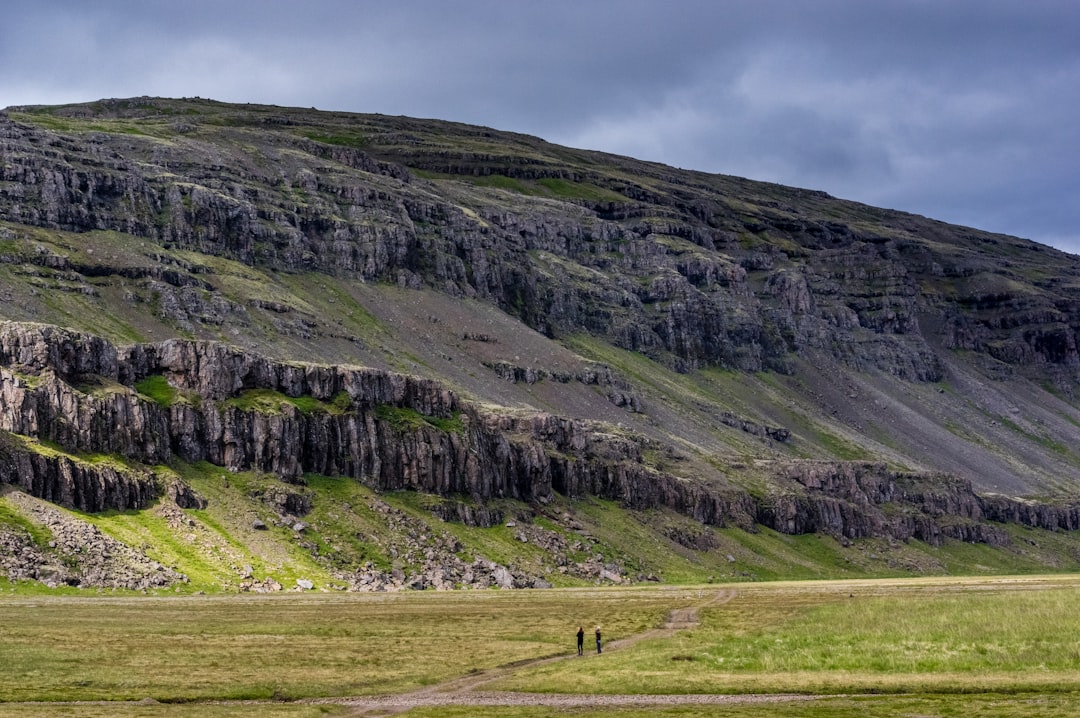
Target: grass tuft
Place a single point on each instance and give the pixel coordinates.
(157, 389)
(403, 419)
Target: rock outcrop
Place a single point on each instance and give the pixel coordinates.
(692, 269)
(248, 413)
(861, 500)
(73, 483)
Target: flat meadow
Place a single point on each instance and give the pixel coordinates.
(999, 647)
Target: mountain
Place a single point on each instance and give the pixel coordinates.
(399, 352)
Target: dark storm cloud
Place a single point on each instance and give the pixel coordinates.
(964, 111)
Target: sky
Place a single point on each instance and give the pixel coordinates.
(967, 111)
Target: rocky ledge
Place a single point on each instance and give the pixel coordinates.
(67, 399)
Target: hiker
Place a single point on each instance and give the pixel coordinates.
(598, 639)
(580, 640)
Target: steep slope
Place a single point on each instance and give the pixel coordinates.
(729, 338)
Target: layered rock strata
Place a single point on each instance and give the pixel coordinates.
(692, 269)
(245, 412)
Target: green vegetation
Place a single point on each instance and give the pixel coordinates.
(331, 274)
(447, 425)
(404, 419)
(180, 649)
(840, 447)
(12, 519)
(202, 563)
(269, 401)
(52, 449)
(1002, 648)
(1050, 444)
(151, 709)
(218, 540)
(340, 139)
(347, 532)
(158, 389)
(985, 706)
(111, 126)
(579, 190)
(503, 182)
(930, 636)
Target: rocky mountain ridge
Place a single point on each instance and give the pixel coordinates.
(394, 432)
(464, 312)
(676, 267)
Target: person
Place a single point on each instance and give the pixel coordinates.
(598, 639)
(580, 640)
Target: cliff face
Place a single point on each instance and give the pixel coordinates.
(388, 430)
(247, 413)
(693, 269)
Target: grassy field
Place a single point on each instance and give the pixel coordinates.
(904, 636)
(290, 646)
(999, 647)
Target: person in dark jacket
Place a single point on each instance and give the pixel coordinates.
(598, 639)
(580, 640)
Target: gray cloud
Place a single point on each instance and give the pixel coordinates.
(964, 111)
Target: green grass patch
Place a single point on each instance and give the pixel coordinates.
(251, 647)
(11, 518)
(840, 448)
(269, 401)
(57, 123)
(1053, 445)
(32, 381)
(54, 450)
(158, 541)
(272, 709)
(1000, 647)
(349, 533)
(579, 190)
(402, 419)
(503, 182)
(322, 295)
(925, 636)
(157, 389)
(909, 706)
(224, 538)
(497, 543)
(340, 139)
(341, 402)
(45, 121)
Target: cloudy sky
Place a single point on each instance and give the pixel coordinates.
(963, 110)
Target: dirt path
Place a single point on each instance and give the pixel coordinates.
(463, 691)
(677, 620)
(394, 705)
